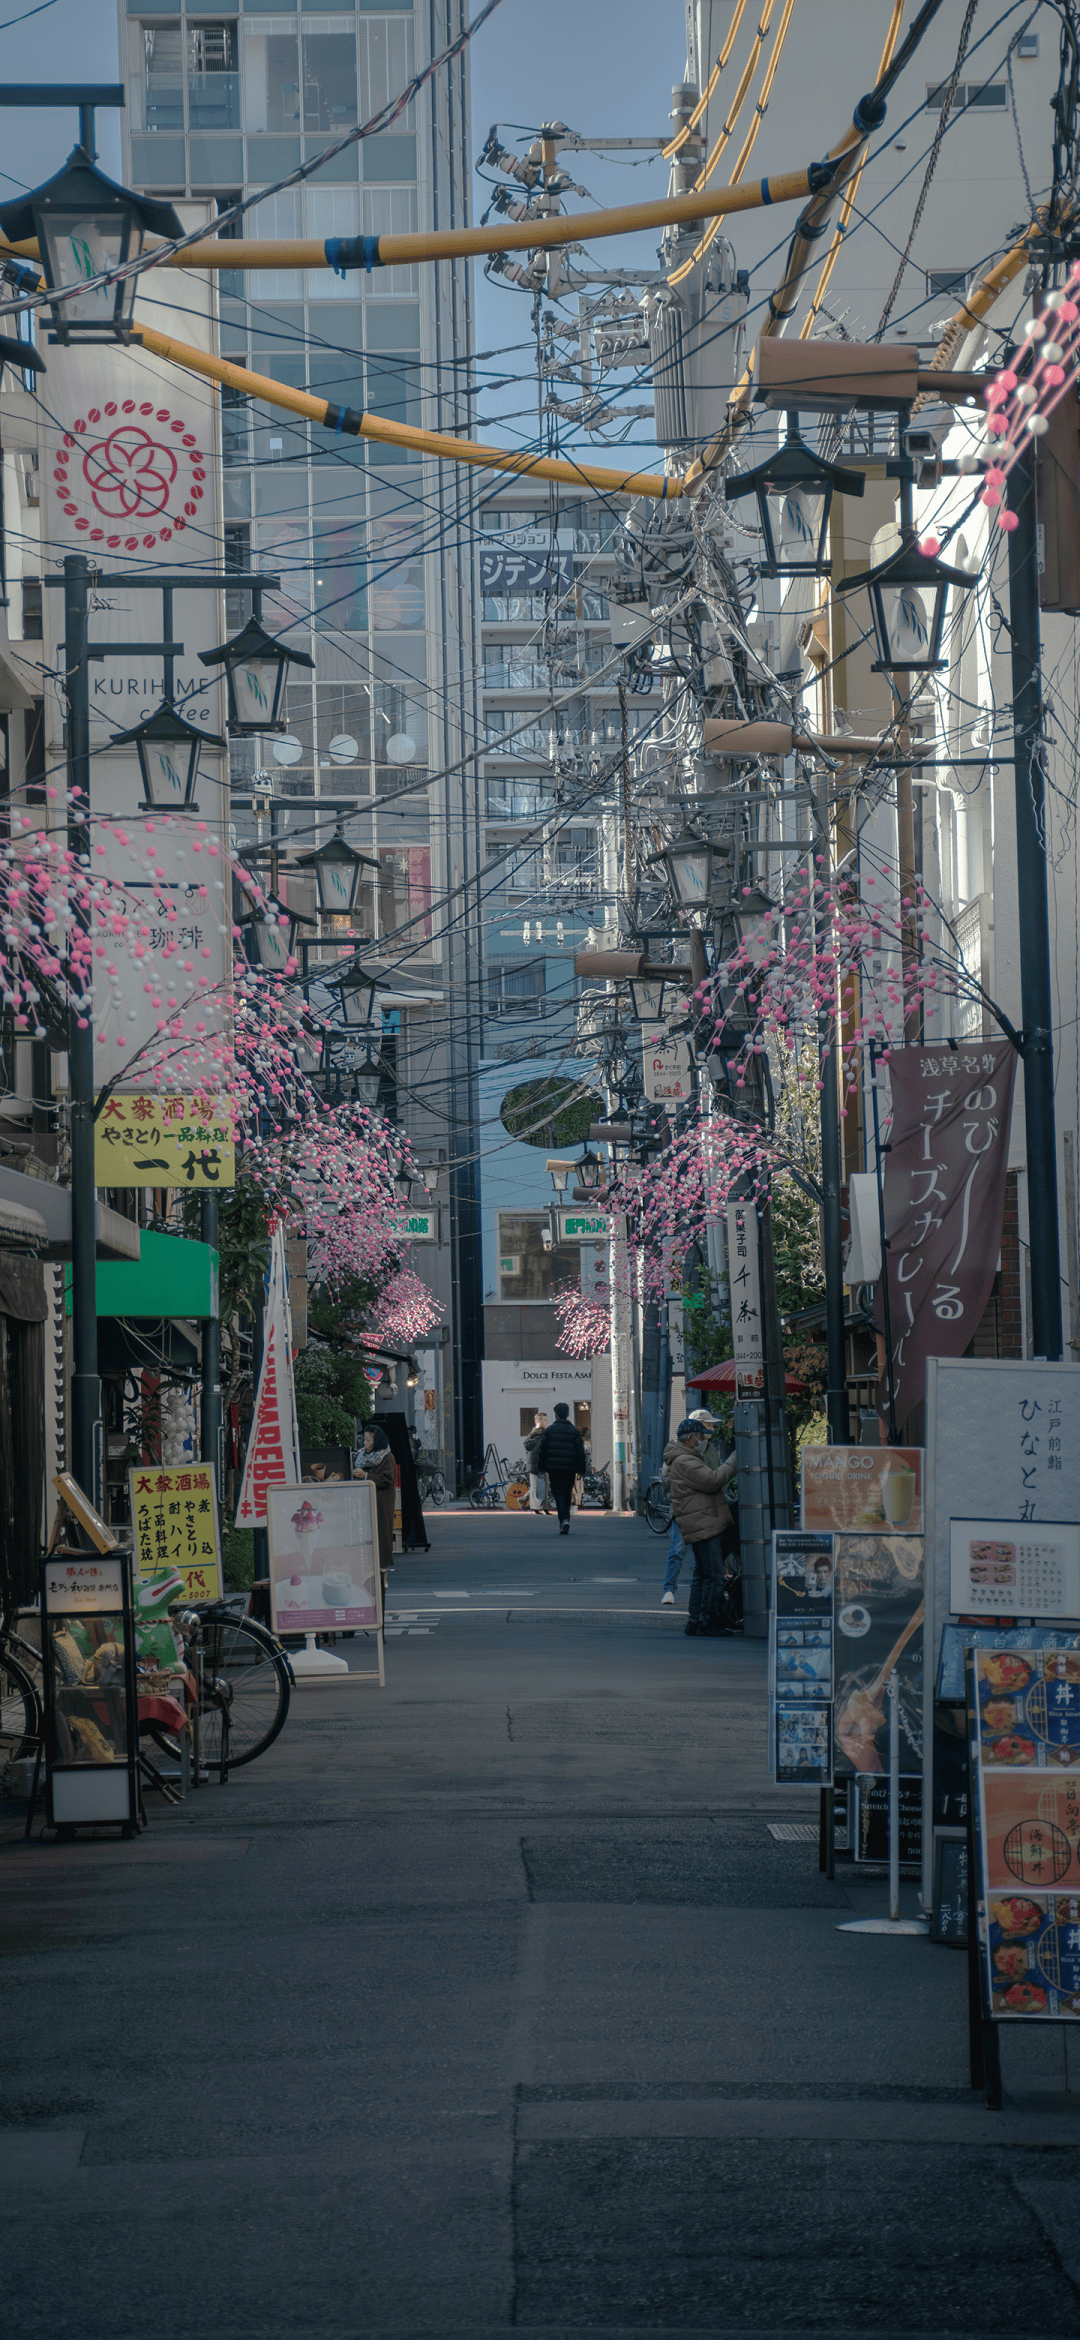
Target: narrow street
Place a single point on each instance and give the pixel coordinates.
(489, 2003)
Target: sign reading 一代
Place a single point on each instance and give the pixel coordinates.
(174, 1517)
(164, 1141)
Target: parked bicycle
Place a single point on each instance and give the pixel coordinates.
(596, 1489)
(245, 1679)
(656, 1505)
(431, 1484)
(489, 1494)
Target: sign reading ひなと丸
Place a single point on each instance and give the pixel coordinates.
(174, 1516)
(164, 1141)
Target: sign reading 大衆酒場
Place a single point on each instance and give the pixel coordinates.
(154, 1140)
(174, 1516)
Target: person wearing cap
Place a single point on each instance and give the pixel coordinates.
(676, 1541)
(702, 1515)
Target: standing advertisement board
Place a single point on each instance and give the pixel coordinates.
(1002, 1469)
(862, 1488)
(174, 1519)
(1024, 1724)
(801, 1659)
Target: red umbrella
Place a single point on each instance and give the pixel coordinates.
(723, 1377)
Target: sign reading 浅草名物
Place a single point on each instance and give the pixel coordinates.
(164, 1141)
(174, 1516)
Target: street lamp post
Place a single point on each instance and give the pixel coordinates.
(86, 1427)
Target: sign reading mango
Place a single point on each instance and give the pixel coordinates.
(164, 1141)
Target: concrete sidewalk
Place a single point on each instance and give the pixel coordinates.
(489, 2004)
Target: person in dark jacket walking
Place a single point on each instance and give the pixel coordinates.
(561, 1456)
(377, 1462)
(698, 1505)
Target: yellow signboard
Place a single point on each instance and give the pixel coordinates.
(164, 1141)
(174, 1515)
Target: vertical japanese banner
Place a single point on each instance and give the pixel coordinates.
(273, 1447)
(944, 1201)
(745, 1280)
(129, 459)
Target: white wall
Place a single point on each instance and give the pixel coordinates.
(509, 1385)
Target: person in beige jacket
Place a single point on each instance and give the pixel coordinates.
(701, 1513)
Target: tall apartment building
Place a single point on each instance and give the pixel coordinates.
(374, 550)
(552, 728)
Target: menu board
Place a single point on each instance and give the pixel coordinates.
(1024, 1719)
(878, 1583)
(856, 1488)
(801, 1660)
(956, 1639)
(1000, 1567)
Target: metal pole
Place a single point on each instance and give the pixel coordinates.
(894, 1436)
(1034, 921)
(211, 1357)
(836, 1403)
(86, 1430)
(894, 1796)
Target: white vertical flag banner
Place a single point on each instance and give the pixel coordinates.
(273, 1448)
(745, 1279)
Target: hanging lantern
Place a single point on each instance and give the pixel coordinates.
(87, 225)
(802, 485)
(337, 874)
(255, 669)
(356, 994)
(168, 748)
(907, 607)
(367, 1079)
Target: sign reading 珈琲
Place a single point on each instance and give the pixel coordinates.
(164, 1141)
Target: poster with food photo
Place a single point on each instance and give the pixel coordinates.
(860, 1488)
(1027, 1826)
(879, 1619)
(801, 1659)
(324, 1576)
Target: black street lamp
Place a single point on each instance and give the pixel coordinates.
(271, 937)
(590, 1170)
(804, 485)
(356, 994)
(255, 669)
(691, 862)
(168, 748)
(337, 870)
(367, 1080)
(87, 226)
(907, 606)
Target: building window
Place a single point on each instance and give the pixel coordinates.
(329, 92)
(515, 988)
(1028, 45)
(31, 609)
(237, 558)
(163, 77)
(526, 1270)
(213, 78)
(946, 284)
(990, 96)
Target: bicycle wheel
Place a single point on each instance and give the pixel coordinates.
(243, 1666)
(436, 1489)
(477, 1498)
(657, 1507)
(20, 1712)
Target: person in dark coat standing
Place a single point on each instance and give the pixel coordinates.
(378, 1463)
(561, 1456)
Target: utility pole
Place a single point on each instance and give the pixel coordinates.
(1034, 921)
(86, 1429)
(836, 1403)
(210, 1424)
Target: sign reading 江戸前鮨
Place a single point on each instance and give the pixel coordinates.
(164, 1141)
(174, 1517)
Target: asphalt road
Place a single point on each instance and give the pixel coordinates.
(489, 2004)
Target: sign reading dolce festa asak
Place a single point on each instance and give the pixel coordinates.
(129, 461)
